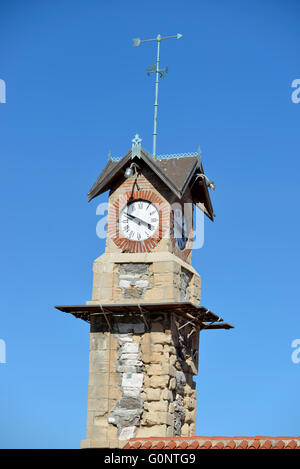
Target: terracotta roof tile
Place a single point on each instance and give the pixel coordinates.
(255, 445)
(193, 445)
(206, 445)
(215, 442)
(267, 444)
(219, 445)
(292, 445)
(230, 445)
(183, 445)
(136, 445)
(171, 445)
(279, 445)
(159, 445)
(147, 445)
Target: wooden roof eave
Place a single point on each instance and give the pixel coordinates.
(97, 190)
(104, 185)
(189, 178)
(203, 209)
(206, 206)
(207, 197)
(114, 173)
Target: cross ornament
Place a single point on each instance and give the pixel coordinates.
(136, 140)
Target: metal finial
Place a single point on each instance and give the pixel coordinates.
(136, 140)
(159, 74)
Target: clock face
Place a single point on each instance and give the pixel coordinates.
(179, 229)
(139, 220)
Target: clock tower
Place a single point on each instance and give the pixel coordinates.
(145, 314)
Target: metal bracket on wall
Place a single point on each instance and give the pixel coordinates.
(143, 311)
(186, 324)
(106, 318)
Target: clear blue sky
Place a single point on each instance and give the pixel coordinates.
(76, 89)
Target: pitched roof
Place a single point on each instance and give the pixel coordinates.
(215, 442)
(176, 173)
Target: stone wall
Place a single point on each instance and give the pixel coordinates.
(141, 379)
(150, 278)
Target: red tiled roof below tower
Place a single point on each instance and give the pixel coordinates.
(215, 442)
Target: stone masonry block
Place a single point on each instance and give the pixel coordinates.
(167, 395)
(95, 432)
(112, 433)
(189, 403)
(114, 379)
(100, 420)
(99, 341)
(99, 379)
(98, 392)
(146, 357)
(154, 369)
(157, 406)
(145, 339)
(98, 405)
(192, 429)
(130, 356)
(161, 381)
(156, 357)
(190, 416)
(131, 392)
(172, 384)
(161, 267)
(114, 392)
(130, 347)
(185, 430)
(157, 418)
(157, 430)
(133, 380)
(99, 361)
(172, 360)
(170, 348)
(158, 348)
(160, 338)
(160, 369)
(153, 394)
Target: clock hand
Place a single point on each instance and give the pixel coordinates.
(140, 220)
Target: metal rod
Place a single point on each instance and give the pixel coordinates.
(159, 73)
(191, 333)
(186, 324)
(143, 316)
(106, 319)
(156, 98)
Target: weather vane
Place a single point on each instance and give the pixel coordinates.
(159, 74)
